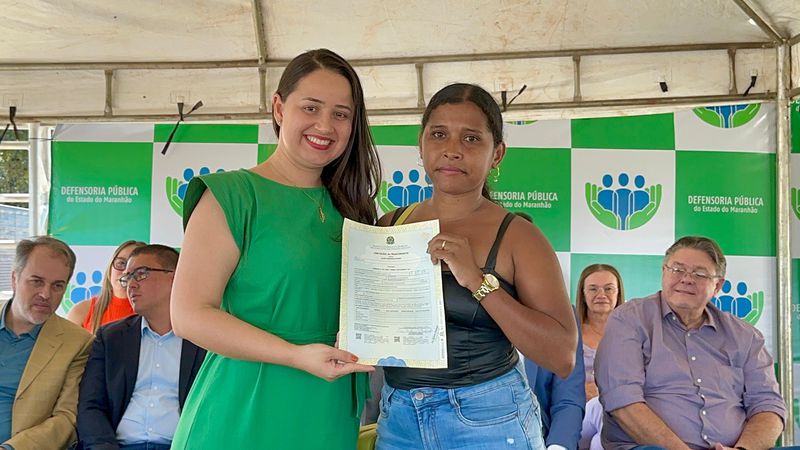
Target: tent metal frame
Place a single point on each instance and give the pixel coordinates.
(419, 63)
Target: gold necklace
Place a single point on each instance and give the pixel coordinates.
(318, 202)
(322, 216)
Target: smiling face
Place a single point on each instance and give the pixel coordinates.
(316, 119)
(602, 291)
(38, 289)
(457, 148)
(688, 295)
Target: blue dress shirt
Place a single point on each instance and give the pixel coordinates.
(153, 412)
(14, 353)
(562, 400)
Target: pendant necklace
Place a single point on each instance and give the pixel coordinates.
(322, 216)
(318, 202)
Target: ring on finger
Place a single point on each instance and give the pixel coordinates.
(443, 244)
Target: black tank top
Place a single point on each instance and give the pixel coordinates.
(477, 349)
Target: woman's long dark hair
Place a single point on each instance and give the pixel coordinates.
(351, 179)
(461, 93)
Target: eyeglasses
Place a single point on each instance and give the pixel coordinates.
(119, 263)
(594, 290)
(139, 274)
(697, 275)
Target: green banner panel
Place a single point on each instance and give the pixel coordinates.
(265, 150)
(794, 114)
(655, 132)
(101, 195)
(796, 311)
(641, 274)
(396, 135)
(729, 197)
(204, 133)
(537, 182)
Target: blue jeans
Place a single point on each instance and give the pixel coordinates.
(501, 413)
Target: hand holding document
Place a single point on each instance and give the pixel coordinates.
(392, 307)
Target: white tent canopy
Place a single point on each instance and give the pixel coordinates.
(110, 60)
(91, 60)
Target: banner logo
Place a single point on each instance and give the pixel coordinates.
(398, 194)
(620, 207)
(728, 116)
(747, 307)
(86, 286)
(176, 188)
(796, 202)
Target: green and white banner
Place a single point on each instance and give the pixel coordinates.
(794, 218)
(614, 190)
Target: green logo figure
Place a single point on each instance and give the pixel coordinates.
(728, 116)
(620, 207)
(738, 302)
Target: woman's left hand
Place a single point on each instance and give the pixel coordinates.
(456, 252)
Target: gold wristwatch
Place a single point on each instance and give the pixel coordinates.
(488, 285)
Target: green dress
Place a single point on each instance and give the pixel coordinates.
(287, 282)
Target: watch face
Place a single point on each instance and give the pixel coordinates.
(491, 280)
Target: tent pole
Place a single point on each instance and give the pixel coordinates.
(420, 85)
(261, 40)
(576, 74)
(34, 204)
(261, 46)
(784, 261)
(732, 89)
(109, 108)
(762, 23)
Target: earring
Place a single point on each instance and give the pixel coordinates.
(494, 174)
(419, 159)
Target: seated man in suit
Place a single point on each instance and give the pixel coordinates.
(562, 401)
(675, 371)
(42, 354)
(139, 372)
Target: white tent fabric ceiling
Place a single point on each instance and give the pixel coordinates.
(53, 53)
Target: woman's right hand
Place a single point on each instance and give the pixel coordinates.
(327, 362)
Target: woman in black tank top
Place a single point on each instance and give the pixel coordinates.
(503, 291)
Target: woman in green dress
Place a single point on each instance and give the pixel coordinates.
(258, 279)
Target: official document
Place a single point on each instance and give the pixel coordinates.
(392, 307)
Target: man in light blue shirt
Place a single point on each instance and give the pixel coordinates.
(139, 372)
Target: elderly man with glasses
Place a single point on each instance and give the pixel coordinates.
(139, 372)
(676, 372)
